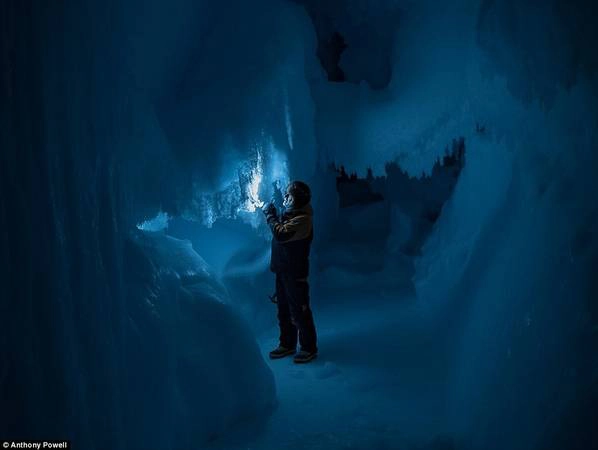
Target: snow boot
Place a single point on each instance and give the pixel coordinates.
(304, 357)
(281, 352)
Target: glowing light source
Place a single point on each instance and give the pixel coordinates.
(258, 178)
(253, 187)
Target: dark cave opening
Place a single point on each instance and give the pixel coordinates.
(329, 53)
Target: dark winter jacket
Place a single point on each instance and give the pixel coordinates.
(292, 234)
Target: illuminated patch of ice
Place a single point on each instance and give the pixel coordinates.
(253, 187)
(241, 194)
(158, 223)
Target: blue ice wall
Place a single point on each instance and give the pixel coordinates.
(508, 269)
(98, 344)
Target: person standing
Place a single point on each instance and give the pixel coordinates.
(292, 235)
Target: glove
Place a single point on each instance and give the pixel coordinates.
(269, 209)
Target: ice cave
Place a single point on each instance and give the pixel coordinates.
(451, 149)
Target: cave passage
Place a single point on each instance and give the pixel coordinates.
(450, 149)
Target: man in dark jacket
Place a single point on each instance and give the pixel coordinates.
(292, 233)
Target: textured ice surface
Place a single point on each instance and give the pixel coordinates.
(181, 328)
(111, 113)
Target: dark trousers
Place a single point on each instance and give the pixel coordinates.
(294, 313)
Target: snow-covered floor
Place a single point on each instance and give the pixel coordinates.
(379, 382)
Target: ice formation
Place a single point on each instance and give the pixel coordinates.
(113, 112)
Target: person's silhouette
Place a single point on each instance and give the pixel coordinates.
(292, 234)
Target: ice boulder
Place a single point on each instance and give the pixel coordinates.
(194, 368)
